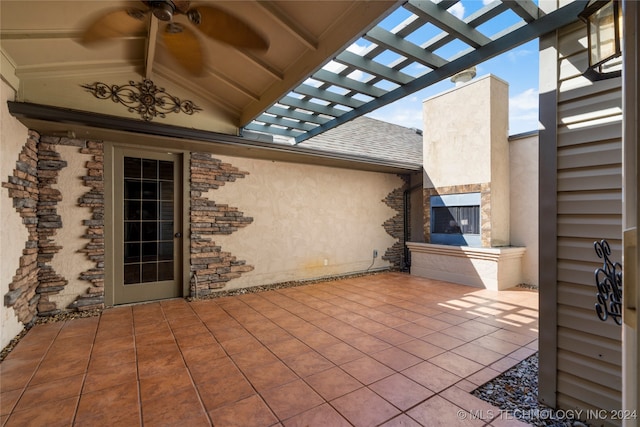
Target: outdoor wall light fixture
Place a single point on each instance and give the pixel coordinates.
(604, 38)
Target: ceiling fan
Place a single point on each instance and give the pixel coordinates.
(181, 42)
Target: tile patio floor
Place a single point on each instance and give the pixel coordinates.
(388, 349)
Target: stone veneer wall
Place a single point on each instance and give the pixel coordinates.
(485, 207)
(23, 189)
(35, 198)
(49, 281)
(394, 226)
(94, 249)
(212, 268)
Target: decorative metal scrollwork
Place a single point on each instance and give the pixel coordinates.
(144, 98)
(609, 282)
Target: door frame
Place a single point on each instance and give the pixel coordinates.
(183, 276)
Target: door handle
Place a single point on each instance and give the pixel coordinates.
(178, 235)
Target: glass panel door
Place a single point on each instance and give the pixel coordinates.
(147, 215)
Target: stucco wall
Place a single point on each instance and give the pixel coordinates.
(467, 130)
(308, 221)
(467, 144)
(13, 135)
(523, 153)
(68, 262)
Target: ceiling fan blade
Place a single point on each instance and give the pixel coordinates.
(115, 24)
(222, 26)
(184, 46)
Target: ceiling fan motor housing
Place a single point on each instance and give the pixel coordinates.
(162, 9)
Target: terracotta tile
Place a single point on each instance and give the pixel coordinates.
(51, 414)
(448, 414)
(470, 403)
(84, 326)
(421, 349)
(333, 383)
(54, 370)
(155, 338)
(168, 364)
(109, 404)
(112, 345)
(461, 366)
(16, 373)
(156, 386)
(364, 408)
(452, 319)
(368, 344)
(179, 408)
(202, 354)
(393, 336)
(160, 326)
(396, 358)
(504, 364)
(241, 345)
(367, 370)
(340, 353)
(401, 421)
(271, 375)
(8, 401)
(401, 391)
(215, 394)
(431, 376)
(251, 411)
(215, 370)
(288, 348)
(520, 339)
(107, 360)
(442, 340)
(308, 363)
(109, 377)
(319, 339)
(284, 406)
(415, 330)
(256, 357)
(463, 333)
(193, 334)
(320, 416)
(478, 353)
(274, 335)
(434, 323)
(40, 394)
(522, 353)
(495, 344)
(33, 353)
(466, 385)
(483, 376)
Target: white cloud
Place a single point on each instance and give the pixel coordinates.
(457, 10)
(527, 100)
(486, 2)
(517, 54)
(523, 112)
(409, 116)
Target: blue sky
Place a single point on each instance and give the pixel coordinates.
(518, 67)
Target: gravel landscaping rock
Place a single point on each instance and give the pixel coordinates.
(516, 393)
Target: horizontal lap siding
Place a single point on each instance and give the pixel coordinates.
(589, 201)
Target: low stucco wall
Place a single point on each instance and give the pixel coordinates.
(523, 153)
(490, 268)
(12, 137)
(308, 221)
